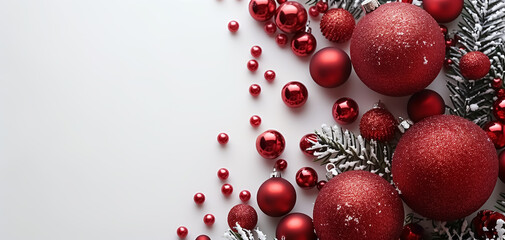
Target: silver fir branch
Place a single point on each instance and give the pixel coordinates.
(244, 234)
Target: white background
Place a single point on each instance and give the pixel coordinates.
(109, 112)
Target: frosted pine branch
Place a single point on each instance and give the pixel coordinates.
(244, 234)
(456, 230)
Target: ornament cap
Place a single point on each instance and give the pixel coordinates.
(404, 125)
(275, 173)
(370, 5)
(331, 171)
(379, 104)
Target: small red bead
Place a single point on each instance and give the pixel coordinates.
(281, 1)
(252, 65)
(306, 142)
(227, 189)
(244, 195)
(182, 232)
(202, 237)
(233, 26)
(256, 51)
(222, 138)
(281, 39)
(255, 120)
(269, 75)
(500, 93)
(281, 164)
(496, 83)
(450, 42)
(223, 173)
(447, 62)
(320, 184)
(209, 219)
(270, 28)
(443, 29)
(255, 90)
(306, 178)
(322, 7)
(313, 11)
(345, 110)
(199, 198)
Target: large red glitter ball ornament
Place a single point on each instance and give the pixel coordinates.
(244, 215)
(496, 132)
(276, 197)
(474, 65)
(291, 17)
(425, 103)
(306, 178)
(345, 111)
(378, 124)
(295, 226)
(270, 144)
(433, 170)
(501, 164)
(443, 11)
(337, 25)
(294, 94)
(412, 231)
(397, 49)
(484, 224)
(499, 109)
(202, 237)
(358, 205)
(262, 10)
(330, 67)
(306, 142)
(303, 44)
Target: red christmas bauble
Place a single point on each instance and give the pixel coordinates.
(397, 49)
(474, 65)
(270, 144)
(425, 103)
(303, 44)
(294, 94)
(433, 170)
(345, 111)
(291, 17)
(330, 67)
(295, 226)
(501, 166)
(358, 205)
(378, 124)
(484, 224)
(262, 10)
(412, 231)
(496, 132)
(276, 197)
(202, 237)
(306, 178)
(443, 11)
(244, 215)
(307, 142)
(337, 25)
(499, 109)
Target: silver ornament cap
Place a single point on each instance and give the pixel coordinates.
(370, 5)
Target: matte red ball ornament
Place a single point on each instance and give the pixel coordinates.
(306, 142)
(276, 197)
(209, 219)
(199, 198)
(270, 28)
(269, 75)
(496, 132)
(303, 44)
(294, 94)
(223, 173)
(322, 7)
(223, 138)
(202, 237)
(270, 144)
(252, 65)
(244, 195)
(255, 121)
(412, 231)
(262, 10)
(337, 25)
(281, 39)
(281, 164)
(330, 67)
(433, 170)
(425, 103)
(306, 178)
(474, 65)
(291, 17)
(485, 223)
(397, 49)
(233, 26)
(358, 205)
(345, 111)
(378, 124)
(501, 164)
(499, 109)
(295, 226)
(443, 11)
(255, 90)
(182, 232)
(244, 215)
(227, 189)
(256, 51)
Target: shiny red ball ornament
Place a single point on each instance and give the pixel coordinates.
(496, 132)
(337, 25)
(291, 17)
(412, 231)
(497, 83)
(322, 7)
(255, 90)
(276, 197)
(233, 26)
(202, 237)
(281, 39)
(303, 44)
(227, 189)
(501, 166)
(499, 109)
(433, 170)
(252, 65)
(256, 51)
(269, 75)
(209, 219)
(320, 185)
(295, 226)
(358, 205)
(500, 93)
(270, 144)
(270, 28)
(474, 65)
(307, 142)
(345, 111)
(182, 232)
(255, 121)
(484, 224)
(244, 195)
(330, 67)
(443, 29)
(313, 11)
(262, 10)
(199, 198)
(223, 138)
(223, 173)
(281, 164)
(425, 103)
(400, 56)
(294, 94)
(306, 178)
(378, 124)
(244, 215)
(443, 11)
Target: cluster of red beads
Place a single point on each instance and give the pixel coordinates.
(320, 7)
